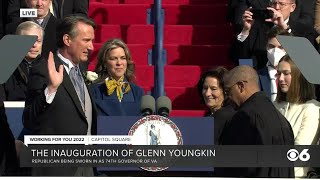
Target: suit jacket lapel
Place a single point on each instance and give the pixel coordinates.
(67, 84)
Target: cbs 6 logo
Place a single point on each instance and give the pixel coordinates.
(294, 155)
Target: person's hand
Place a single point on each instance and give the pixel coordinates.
(55, 77)
(277, 19)
(247, 21)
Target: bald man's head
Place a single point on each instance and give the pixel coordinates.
(242, 73)
(240, 83)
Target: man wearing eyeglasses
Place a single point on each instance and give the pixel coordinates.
(295, 16)
(257, 122)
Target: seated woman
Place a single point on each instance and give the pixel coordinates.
(295, 100)
(115, 93)
(211, 91)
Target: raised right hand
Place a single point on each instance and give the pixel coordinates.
(247, 20)
(55, 77)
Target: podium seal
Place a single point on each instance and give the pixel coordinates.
(155, 130)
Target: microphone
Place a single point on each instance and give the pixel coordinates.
(147, 105)
(164, 106)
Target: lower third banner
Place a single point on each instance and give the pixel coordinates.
(169, 156)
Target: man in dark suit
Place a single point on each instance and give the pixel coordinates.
(296, 16)
(63, 8)
(45, 19)
(257, 122)
(58, 101)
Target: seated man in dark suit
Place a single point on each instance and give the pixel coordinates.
(295, 16)
(16, 86)
(257, 122)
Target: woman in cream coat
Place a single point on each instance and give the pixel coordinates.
(295, 100)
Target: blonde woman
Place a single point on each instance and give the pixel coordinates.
(115, 93)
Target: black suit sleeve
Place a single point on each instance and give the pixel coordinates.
(238, 12)
(35, 103)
